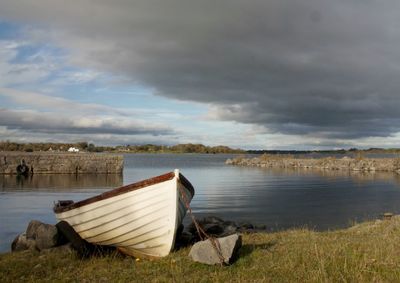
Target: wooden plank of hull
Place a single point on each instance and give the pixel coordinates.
(140, 222)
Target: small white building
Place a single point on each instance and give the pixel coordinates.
(73, 149)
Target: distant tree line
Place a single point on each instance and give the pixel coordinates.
(90, 147)
(179, 148)
(43, 146)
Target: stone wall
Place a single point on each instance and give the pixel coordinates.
(62, 163)
(330, 163)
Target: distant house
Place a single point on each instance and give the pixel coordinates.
(73, 149)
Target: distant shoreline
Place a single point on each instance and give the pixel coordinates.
(89, 147)
(178, 148)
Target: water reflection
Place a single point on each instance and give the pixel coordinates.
(359, 176)
(23, 199)
(58, 181)
(286, 198)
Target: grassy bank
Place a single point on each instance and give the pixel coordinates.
(368, 252)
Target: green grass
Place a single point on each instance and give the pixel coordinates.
(368, 252)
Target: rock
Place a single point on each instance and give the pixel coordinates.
(211, 220)
(64, 249)
(206, 223)
(229, 230)
(45, 235)
(180, 229)
(83, 248)
(31, 229)
(204, 251)
(213, 229)
(260, 227)
(246, 226)
(217, 227)
(22, 243)
(184, 240)
(230, 223)
(387, 215)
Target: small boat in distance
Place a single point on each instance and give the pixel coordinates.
(140, 219)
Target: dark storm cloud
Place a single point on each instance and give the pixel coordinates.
(326, 68)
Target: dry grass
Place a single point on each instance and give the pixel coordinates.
(367, 252)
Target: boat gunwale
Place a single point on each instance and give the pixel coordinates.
(125, 189)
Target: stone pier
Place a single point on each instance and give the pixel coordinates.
(328, 163)
(61, 163)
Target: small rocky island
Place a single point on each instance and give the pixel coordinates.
(328, 163)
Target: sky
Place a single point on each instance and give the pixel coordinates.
(251, 74)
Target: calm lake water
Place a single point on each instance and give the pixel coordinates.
(280, 199)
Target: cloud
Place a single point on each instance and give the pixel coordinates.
(42, 101)
(50, 123)
(39, 113)
(98, 139)
(13, 71)
(325, 69)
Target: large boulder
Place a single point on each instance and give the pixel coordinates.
(83, 248)
(45, 235)
(22, 243)
(205, 252)
(31, 229)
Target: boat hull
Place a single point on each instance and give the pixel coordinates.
(141, 222)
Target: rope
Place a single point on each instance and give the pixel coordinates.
(200, 231)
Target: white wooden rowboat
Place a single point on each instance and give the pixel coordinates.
(140, 219)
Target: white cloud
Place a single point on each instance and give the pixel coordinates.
(42, 101)
(43, 114)
(17, 73)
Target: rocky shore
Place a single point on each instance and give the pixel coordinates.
(42, 237)
(328, 163)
